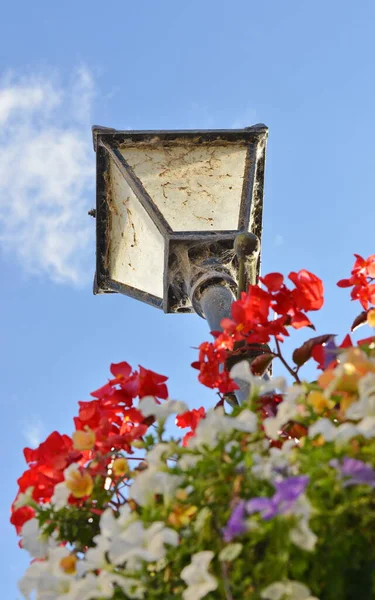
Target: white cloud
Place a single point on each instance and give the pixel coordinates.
(47, 174)
(33, 432)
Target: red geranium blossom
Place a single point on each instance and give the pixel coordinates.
(362, 276)
(190, 419)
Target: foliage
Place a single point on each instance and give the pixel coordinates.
(272, 501)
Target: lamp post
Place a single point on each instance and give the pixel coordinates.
(179, 216)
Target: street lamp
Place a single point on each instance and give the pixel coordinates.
(170, 207)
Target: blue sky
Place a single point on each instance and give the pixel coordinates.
(303, 68)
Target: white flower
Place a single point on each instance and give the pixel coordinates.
(366, 427)
(186, 461)
(216, 424)
(95, 558)
(137, 543)
(246, 421)
(365, 407)
(148, 406)
(47, 578)
(158, 455)
(60, 495)
(92, 587)
(258, 385)
(288, 590)
(303, 537)
(101, 586)
(286, 410)
(323, 427)
(276, 461)
(133, 588)
(34, 540)
(110, 526)
(151, 482)
(196, 576)
(345, 432)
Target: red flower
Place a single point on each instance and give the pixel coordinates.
(308, 294)
(121, 370)
(54, 454)
(152, 384)
(211, 366)
(364, 266)
(362, 275)
(272, 281)
(190, 419)
(20, 516)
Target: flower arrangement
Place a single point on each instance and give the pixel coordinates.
(273, 501)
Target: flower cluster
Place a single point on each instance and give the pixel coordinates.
(64, 468)
(273, 501)
(252, 324)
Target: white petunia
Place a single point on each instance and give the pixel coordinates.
(323, 427)
(196, 576)
(47, 578)
(247, 420)
(150, 407)
(366, 427)
(159, 454)
(92, 587)
(287, 590)
(216, 424)
(60, 495)
(345, 432)
(365, 406)
(110, 526)
(301, 535)
(242, 371)
(103, 585)
(96, 557)
(187, 461)
(137, 544)
(275, 462)
(34, 540)
(151, 482)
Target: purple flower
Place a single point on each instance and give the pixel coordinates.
(287, 492)
(354, 472)
(236, 523)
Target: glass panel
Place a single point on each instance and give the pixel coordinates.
(136, 254)
(196, 187)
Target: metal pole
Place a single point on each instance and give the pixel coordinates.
(215, 302)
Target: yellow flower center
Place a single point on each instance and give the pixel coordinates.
(319, 402)
(120, 467)
(84, 439)
(68, 564)
(371, 317)
(182, 515)
(80, 484)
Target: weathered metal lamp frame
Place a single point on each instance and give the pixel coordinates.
(107, 143)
